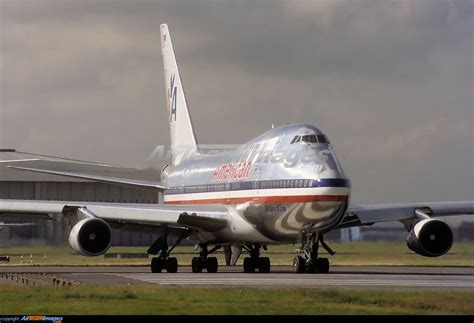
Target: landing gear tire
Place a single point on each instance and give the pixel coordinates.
(264, 265)
(248, 265)
(205, 262)
(197, 265)
(161, 247)
(322, 265)
(157, 265)
(171, 265)
(255, 262)
(298, 264)
(311, 267)
(310, 261)
(212, 265)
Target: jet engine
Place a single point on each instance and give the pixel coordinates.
(430, 238)
(90, 237)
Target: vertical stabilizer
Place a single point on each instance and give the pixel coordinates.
(183, 141)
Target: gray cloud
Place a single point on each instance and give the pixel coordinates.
(391, 82)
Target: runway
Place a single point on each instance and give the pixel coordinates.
(360, 277)
(306, 280)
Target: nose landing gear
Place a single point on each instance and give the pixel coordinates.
(309, 261)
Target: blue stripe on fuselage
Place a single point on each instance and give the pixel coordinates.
(259, 185)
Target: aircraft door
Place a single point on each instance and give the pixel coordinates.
(257, 175)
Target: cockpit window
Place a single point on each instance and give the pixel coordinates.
(322, 139)
(296, 139)
(310, 139)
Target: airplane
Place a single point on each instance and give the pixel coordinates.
(284, 186)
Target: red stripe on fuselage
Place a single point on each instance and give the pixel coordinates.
(267, 200)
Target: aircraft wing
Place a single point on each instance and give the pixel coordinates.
(148, 185)
(360, 215)
(15, 156)
(139, 217)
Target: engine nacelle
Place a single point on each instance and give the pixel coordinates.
(90, 237)
(430, 238)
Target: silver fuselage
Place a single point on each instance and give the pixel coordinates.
(279, 186)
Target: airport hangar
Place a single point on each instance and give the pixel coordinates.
(16, 184)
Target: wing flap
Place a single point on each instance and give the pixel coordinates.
(41, 209)
(209, 224)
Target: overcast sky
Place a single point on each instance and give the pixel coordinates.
(390, 82)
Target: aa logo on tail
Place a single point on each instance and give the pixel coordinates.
(172, 98)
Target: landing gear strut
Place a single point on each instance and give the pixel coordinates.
(255, 261)
(309, 261)
(203, 261)
(164, 261)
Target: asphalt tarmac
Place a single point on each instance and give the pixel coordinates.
(360, 277)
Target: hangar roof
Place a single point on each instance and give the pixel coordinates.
(15, 158)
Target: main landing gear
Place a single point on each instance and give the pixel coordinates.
(164, 261)
(309, 261)
(255, 262)
(203, 261)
